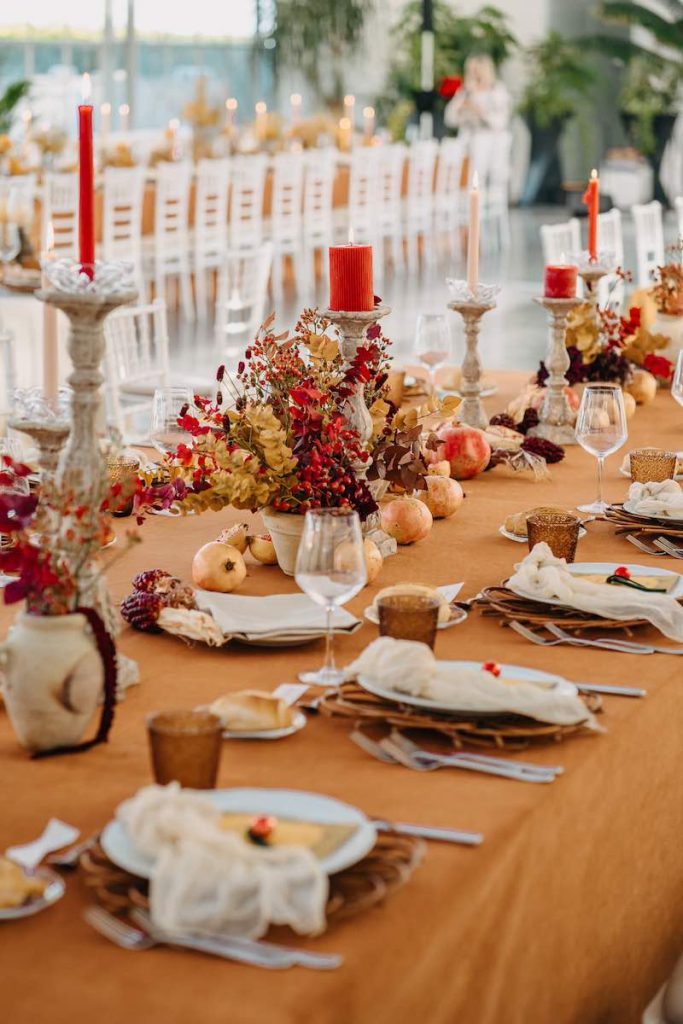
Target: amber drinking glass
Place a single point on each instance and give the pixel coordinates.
(559, 530)
(409, 617)
(185, 747)
(652, 465)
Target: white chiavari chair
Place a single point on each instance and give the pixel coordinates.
(286, 221)
(123, 197)
(241, 297)
(561, 243)
(318, 223)
(392, 160)
(137, 362)
(449, 196)
(678, 202)
(649, 240)
(60, 209)
(611, 239)
(248, 180)
(419, 205)
(362, 206)
(167, 254)
(210, 237)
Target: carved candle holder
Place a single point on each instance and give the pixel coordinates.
(353, 328)
(46, 421)
(556, 419)
(472, 308)
(592, 272)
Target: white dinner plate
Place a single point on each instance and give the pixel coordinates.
(457, 615)
(508, 671)
(54, 891)
(522, 540)
(284, 803)
(607, 569)
(298, 722)
(628, 507)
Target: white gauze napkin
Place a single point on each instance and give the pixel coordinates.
(660, 500)
(266, 616)
(408, 667)
(542, 577)
(209, 881)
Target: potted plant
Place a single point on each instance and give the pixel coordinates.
(559, 80)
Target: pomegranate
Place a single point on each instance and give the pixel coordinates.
(439, 468)
(443, 496)
(406, 520)
(218, 567)
(262, 549)
(373, 559)
(643, 387)
(236, 535)
(465, 449)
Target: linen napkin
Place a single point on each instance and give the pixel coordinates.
(408, 667)
(56, 835)
(660, 500)
(279, 614)
(542, 577)
(209, 881)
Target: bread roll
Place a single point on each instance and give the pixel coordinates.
(252, 711)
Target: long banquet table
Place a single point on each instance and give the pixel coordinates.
(571, 911)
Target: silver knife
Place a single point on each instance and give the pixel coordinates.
(442, 835)
(615, 691)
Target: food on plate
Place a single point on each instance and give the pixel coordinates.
(218, 567)
(252, 711)
(321, 838)
(261, 548)
(237, 536)
(442, 496)
(417, 589)
(16, 887)
(406, 520)
(516, 523)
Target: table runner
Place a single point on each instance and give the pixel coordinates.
(572, 909)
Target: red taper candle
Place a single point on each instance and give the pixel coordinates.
(351, 287)
(86, 194)
(560, 282)
(591, 199)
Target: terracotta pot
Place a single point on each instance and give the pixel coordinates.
(285, 529)
(53, 679)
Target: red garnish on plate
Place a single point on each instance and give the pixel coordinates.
(261, 829)
(623, 571)
(493, 667)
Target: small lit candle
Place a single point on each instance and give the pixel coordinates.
(105, 119)
(591, 199)
(124, 117)
(86, 193)
(368, 122)
(295, 104)
(351, 286)
(473, 238)
(344, 134)
(349, 107)
(50, 355)
(231, 112)
(559, 281)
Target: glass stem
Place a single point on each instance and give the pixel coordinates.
(329, 648)
(600, 467)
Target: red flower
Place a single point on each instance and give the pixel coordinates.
(658, 366)
(449, 86)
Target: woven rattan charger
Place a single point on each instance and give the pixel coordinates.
(626, 522)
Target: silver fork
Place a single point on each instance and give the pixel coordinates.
(628, 646)
(524, 770)
(641, 545)
(424, 761)
(665, 545)
(606, 645)
(248, 951)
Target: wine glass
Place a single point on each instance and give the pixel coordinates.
(601, 429)
(167, 406)
(433, 345)
(677, 382)
(330, 569)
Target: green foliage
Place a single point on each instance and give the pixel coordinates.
(8, 101)
(668, 31)
(318, 36)
(650, 89)
(559, 79)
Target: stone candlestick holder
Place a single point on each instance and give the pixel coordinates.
(471, 308)
(592, 272)
(353, 328)
(46, 421)
(556, 419)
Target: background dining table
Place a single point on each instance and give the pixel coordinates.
(571, 910)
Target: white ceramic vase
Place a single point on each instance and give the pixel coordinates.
(53, 679)
(285, 529)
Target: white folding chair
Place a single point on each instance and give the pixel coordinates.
(679, 213)
(419, 206)
(318, 224)
(649, 240)
(124, 190)
(241, 298)
(286, 221)
(561, 243)
(392, 160)
(362, 207)
(449, 195)
(168, 251)
(611, 239)
(248, 179)
(210, 238)
(60, 209)
(137, 363)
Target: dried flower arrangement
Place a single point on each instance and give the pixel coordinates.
(668, 289)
